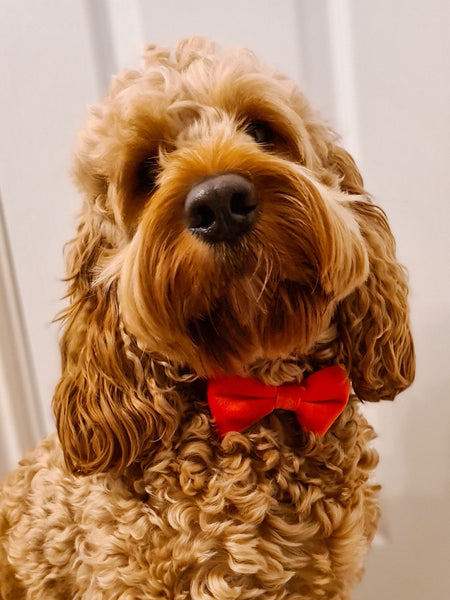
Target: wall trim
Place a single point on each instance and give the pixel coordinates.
(21, 421)
(343, 74)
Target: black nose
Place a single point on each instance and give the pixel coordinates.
(221, 208)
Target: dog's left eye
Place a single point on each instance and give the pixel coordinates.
(260, 131)
(146, 174)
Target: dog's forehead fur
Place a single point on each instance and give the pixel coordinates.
(232, 80)
(176, 100)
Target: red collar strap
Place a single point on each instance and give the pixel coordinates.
(236, 402)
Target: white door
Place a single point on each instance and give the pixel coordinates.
(379, 72)
(401, 58)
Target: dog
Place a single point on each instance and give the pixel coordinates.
(226, 248)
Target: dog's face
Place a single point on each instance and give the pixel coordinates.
(229, 246)
(223, 225)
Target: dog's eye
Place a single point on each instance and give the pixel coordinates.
(260, 131)
(146, 174)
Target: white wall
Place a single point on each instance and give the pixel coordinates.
(47, 76)
(403, 99)
(403, 93)
(267, 28)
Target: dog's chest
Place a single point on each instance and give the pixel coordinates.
(244, 515)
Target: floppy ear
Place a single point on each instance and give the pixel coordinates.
(108, 412)
(373, 320)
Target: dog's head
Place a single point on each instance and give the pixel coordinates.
(222, 226)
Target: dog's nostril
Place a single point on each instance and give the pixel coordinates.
(242, 203)
(221, 208)
(201, 217)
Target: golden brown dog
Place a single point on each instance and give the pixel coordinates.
(223, 231)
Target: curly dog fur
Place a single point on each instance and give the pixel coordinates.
(137, 497)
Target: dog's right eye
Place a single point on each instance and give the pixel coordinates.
(260, 131)
(146, 174)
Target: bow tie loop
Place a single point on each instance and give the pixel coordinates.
(236, 402)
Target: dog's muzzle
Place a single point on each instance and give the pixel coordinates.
(221, 208)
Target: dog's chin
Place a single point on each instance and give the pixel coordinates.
(229, 340)
(236, 329)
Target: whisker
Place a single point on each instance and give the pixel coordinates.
(268, 273)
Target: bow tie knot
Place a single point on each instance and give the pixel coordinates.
(236, 402)
(288, 397)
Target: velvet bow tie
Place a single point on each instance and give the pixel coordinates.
(238, 402)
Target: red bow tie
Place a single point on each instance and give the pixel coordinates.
(238, 402)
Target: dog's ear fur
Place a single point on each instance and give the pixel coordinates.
(373, 320)
(107, 413)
